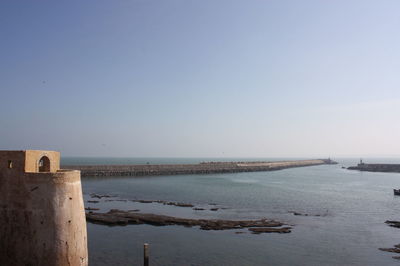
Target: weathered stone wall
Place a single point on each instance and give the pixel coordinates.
(15, 158)
(42, 219)
(202, 168)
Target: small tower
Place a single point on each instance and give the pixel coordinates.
(42, 217)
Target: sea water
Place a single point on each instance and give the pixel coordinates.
(346, 211)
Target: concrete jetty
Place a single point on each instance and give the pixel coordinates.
(378, 167)
(184, 169)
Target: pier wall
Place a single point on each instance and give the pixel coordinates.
(390, 168)
(201, 168)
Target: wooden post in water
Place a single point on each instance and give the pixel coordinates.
(146, 254)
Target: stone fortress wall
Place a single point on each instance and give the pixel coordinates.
(42, 218)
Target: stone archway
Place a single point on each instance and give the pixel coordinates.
(44, 164)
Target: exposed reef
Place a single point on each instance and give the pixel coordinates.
(393, 223)
(396, 248)
(100, 196)
(91, 209)
(201, 168)
(118, 217)
(164, 202)
(282, 230)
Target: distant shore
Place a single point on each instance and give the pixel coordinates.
(183, 169)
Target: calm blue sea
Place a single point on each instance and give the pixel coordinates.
(347, 210)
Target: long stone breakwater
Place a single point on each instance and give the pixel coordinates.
(390, 168)
(181, 169)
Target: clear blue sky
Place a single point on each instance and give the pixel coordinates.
(201, 78)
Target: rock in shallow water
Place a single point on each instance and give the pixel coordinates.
(393, 223)
(282, 230)
(119, 217)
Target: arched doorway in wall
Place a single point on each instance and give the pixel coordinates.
(44, 164)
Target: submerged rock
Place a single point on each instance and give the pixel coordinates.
(99, 196)
(299, 214)
(306, 214)
(393, 223)
(179, 204)
(145, 201)
(171, 203)
(282, 230)
(91, 209)
(395, 250)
